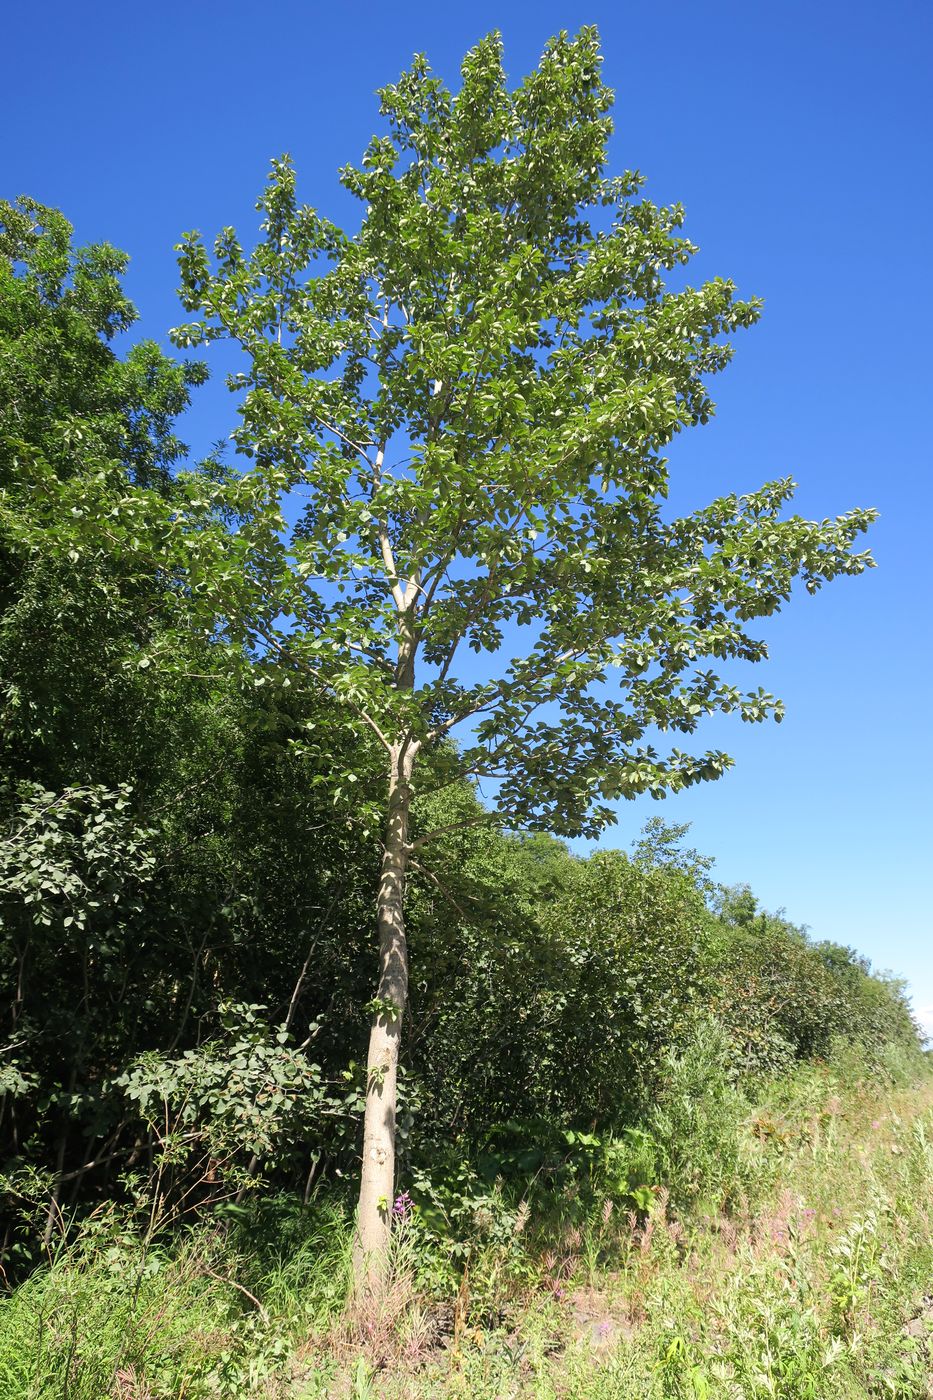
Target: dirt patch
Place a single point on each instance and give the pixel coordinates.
(599, 1319)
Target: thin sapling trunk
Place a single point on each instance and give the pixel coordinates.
(377, 1185)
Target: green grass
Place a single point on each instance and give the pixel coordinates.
(809, 1285)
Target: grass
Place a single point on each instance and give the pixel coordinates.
(803, 1272)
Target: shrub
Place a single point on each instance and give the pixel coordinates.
(698, 1122)
(784, 998)
(558, 1006)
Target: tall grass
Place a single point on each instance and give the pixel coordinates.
(223, 1311)
(786, 1251)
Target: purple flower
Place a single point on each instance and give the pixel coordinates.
(402, 1206)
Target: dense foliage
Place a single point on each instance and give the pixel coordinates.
(185, 871)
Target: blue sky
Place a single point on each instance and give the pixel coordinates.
(798, 137)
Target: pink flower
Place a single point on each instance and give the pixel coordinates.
(402, 1207)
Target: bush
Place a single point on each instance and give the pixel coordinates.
(699, 1123)
(784, 999)
(557, 1005)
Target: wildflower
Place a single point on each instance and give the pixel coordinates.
(402, 1207)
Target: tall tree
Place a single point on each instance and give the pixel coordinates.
(84, 434)
(81, 429)
(455, 419)
(155, 860)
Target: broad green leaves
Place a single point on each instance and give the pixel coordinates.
(468, 401)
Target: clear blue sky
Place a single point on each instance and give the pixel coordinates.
(798, 137)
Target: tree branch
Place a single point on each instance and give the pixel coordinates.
(486, 819)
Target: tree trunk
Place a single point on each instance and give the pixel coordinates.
(377, 1184)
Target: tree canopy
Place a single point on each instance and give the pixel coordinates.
(467, 401)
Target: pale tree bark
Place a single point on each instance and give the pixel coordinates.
(377, 1184)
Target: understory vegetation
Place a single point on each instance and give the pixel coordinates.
(789, 1255)
(652, 1139)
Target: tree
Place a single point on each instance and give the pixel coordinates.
(81, 432)
(455, 421)
(79, 429)
(659, 848)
